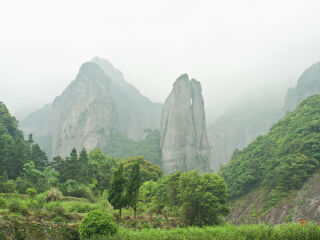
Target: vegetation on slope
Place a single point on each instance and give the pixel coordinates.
(282, 159)
(120, 146)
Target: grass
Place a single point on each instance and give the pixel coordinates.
(228, 232)
(69, 211)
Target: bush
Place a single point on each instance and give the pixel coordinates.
(14, 207)
(31, 192)
(3, 203)
(24, 211)
(53, 195)
(82, 208)
(97, 223)
(8, 186)
(73, 189)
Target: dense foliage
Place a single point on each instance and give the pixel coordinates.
(194, 199)
(120, 146)
(284, 158)
(97, 223)
(148, 170)
(116, 192)
(14, 150)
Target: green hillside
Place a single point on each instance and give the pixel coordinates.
(281, 160)
(13, 148)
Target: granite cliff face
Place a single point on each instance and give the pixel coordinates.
(133, 112)
(82, 115)
(308, 85)
(97, 102)
(184, 142)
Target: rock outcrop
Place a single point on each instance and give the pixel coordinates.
(184, 142)
(82, 115)
(98, 101)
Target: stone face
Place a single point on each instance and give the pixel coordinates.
(132, 111)
(82, 115)
(184, 142)
(98, 101)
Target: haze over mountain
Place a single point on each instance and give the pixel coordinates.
(234, 47)
(241, 124)
(89, 109)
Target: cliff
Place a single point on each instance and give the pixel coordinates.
(184, 142)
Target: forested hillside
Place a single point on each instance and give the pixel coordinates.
(14, 150)
(266, 175)
(282, 159)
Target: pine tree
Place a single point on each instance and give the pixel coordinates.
(133, 187)
(116, 193)
(83, 165)
(39, 157)
(30, 142)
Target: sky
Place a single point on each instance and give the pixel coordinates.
(235, 48)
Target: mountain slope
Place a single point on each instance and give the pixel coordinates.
(308, 85)
(96, 103)
(241, 125)
(278, 163)
(13, 148)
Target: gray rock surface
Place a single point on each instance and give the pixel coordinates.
(82, 115)
(184, 142)
(98, 101)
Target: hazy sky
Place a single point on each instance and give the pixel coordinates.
(234, 47)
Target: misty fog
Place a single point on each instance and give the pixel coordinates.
(237, 49)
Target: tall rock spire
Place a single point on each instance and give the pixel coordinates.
(184, 142)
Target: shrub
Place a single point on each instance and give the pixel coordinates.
(58, 219)
(14, 207)
(31, 192)
(97, 223)
(73, 189)
(53, 195)
(3, 203)
(8, 186)
(24, 211)
(82, 208)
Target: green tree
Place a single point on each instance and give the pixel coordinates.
(116, 191)
(147, 169)
(39, 157)
(84, 171)
(133, 186)
(203, 198)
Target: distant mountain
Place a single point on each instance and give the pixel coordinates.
(308, 85)
(98, 102)
(240, 125)
(39, 124)
(266, 174)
